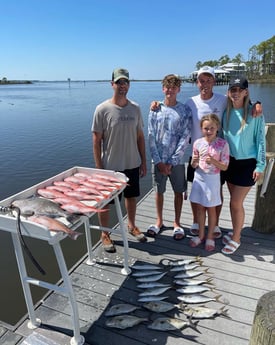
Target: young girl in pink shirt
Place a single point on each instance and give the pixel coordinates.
(210, 156)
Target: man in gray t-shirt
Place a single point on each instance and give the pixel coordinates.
(118, 144)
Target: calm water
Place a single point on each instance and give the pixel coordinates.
(45, 129)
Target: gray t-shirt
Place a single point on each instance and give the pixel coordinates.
(119, 126)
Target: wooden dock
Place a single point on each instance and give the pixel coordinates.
(240, 279)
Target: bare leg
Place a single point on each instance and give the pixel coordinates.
(178, 200)
(159, 206)
(211, 211)
(131, 204)
(237, 196)
(201, 216)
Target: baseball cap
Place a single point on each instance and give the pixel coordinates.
(242, 83)
(120, 73)
(206, 69)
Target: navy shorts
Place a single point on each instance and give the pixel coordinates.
(240, 172)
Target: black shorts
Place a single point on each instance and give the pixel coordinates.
(132, 189)
(240, 172)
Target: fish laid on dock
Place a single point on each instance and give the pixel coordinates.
(190, 274)
(172, 263)
(184, 268)
(190, 282)
(151, 278)
(202, 312)
(162, 306)
(196, 298)
(152, 298)
(146, 267)
(124, 321)
(152, 285)
(194, 289)
(144, 273)
(122, 308)
(154, 291)
(171, 324)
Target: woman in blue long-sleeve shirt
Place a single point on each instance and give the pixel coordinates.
(246, 138)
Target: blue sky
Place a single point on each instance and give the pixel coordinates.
(87, 39)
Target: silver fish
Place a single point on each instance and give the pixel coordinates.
(39, 206)
(162, 306)
(190, 282)
(151, 278)
(154, 291)
(124, 321)
(190, 274)
(122, 308)
(171, 324)
(152, 298)
(151, 285)
(146, 267)
(143, 273)
(184, 261)
(194, 289)
(202, 312)
(196, 298)
(184, 268)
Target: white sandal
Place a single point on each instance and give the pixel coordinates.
(230, 247)
(227, 238)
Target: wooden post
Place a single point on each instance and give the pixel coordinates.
(264, 218)
(263, 328)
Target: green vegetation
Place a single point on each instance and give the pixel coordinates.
(260, 65)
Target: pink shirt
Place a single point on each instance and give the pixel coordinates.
(218, 149)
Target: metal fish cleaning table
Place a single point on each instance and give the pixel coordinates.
(8, 222)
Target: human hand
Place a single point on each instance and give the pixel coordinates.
(155, 105)
(257, 110)
(257, 176)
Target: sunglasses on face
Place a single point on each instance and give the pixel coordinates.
(122, 82)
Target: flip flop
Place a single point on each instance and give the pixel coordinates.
(195, 241)
(178, 233)
(227, 238)
(209, 245)
(194, 230)
(153, 230)
(230, 247)
(217, 232)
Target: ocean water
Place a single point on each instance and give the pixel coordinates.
(46, 129)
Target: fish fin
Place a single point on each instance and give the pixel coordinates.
(193, 325)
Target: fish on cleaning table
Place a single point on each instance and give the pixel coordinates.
(121, 308)
(172, 324)
(203, 312)
(54, 225)
(124, 321)
(39, 206)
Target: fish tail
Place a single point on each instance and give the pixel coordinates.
(224, 312)
(207, 271)
(217, 298)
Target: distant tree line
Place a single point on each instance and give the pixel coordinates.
(260, 63)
